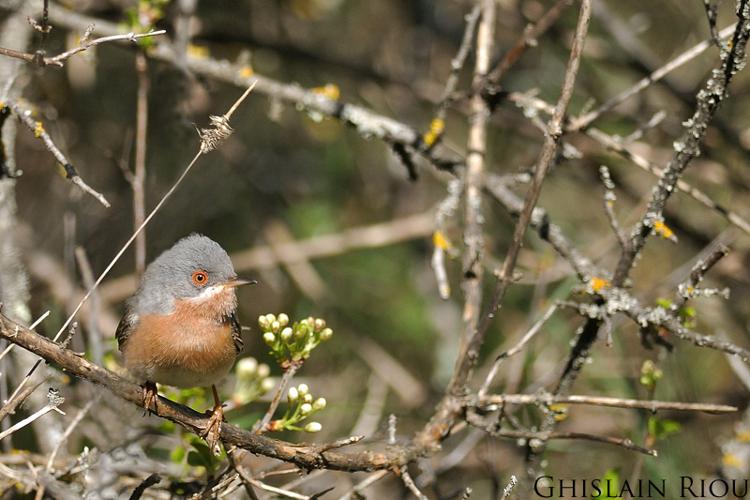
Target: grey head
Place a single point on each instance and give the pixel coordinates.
(193, 266)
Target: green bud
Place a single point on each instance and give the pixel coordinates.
(319, 404)
(313, 427)
(292, 395)
(326, 334)
(301, 331)
(269, 338)
(305, 409)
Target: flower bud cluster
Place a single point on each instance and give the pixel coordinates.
(292, 343)
(301, 406)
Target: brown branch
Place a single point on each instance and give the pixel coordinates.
(529, 38)
(40, 60)
(651, 405)
(474, 174)
(306, 456)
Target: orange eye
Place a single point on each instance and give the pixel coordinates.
(200, 278)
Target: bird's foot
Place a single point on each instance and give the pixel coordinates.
(212, 433)
(150, 397)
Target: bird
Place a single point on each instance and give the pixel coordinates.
(180, 328)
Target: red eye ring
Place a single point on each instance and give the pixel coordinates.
(200, 278)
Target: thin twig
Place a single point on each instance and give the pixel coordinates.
(278, 491)
(364, 484)
(528, 39)
(609, 205)
(37, 128)
(54, 401)
(139, 172)
(59, 59)
(92, 323)
(409, 483)
(262, 425)
(584, 121)
(69, 430)
(536, 328)
(437, 128)
(651, 405)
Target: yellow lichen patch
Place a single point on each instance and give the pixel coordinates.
(197, 51)
(560, 411)
(440, 241)
(437, 125)
(329, 90)
(598, 284)
(2, 105)
(731, 460)
(38, 129)
(743, 436)
(664, 231)
(246, 72)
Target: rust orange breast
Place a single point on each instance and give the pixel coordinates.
(185, 348)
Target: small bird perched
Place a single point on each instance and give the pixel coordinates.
(180, 327)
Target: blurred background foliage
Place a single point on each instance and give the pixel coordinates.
(287, 174)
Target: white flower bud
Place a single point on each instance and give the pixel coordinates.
(326, 334)
(313, 427)
(275, 325)
(292, 395)
(307, 398)
(247, 367)
(305, 408)
(263, 370)
(283, 319)
(286, 334)
(319, 324)
(303, 389)
(267, 385)
(319, 404)
(270, 318)
(263, 322)
(269, 338)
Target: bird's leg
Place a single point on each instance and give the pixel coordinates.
(213, 428)
(150, 397)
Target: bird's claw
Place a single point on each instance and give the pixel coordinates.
(212, 433)
(150, 397)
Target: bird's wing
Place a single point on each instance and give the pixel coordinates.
(125, 327)
(236, 332)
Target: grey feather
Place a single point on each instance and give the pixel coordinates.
(169, 275)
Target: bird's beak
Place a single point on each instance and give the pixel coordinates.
(234, 282)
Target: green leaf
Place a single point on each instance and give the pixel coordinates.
(662, 428)
(177, 455)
